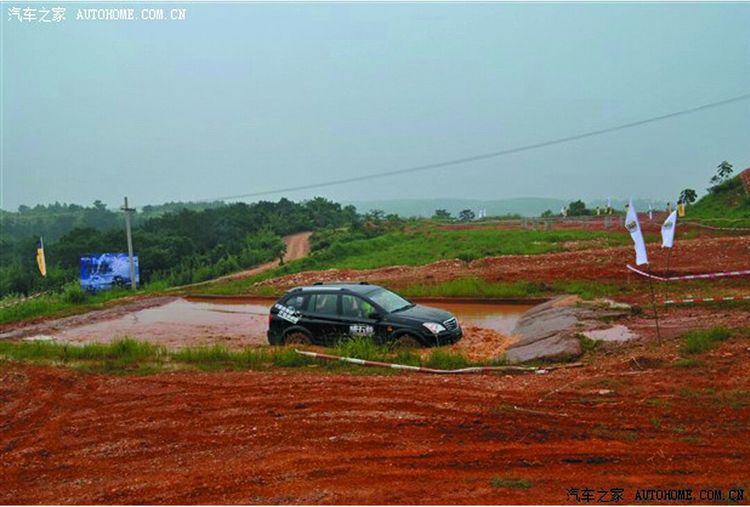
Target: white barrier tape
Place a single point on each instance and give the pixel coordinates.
(422, 369)
(23, 299)
(705, 300)
(722, 274)
(714, 228)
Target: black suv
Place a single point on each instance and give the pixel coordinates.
(324, 314)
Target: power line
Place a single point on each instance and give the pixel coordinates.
(485, 156)
(438, 165)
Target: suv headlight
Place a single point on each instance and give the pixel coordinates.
(434, 327)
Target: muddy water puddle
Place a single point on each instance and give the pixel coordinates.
(238, 323)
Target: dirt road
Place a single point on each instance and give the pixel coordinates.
(294, 436)
(297, 246)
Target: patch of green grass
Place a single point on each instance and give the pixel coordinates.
(477, 287)
(698, 341)
(689, 362)
(128, 356)
(630, 436)
(203, 355)
(121, 356)
(69, 302)
(444, 360)
(736, 398)
(288, 358)
(691, 439)
(588, 289)
(125, 349)
(587, 344)
(510, 483)
(727, 203)
(361, 347)
(433, 244)
(658, 402)
(655, 422)
(407, 357)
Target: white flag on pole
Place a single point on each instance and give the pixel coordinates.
(667, 230)
(634, 228)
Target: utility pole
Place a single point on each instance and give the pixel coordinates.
(128, 211)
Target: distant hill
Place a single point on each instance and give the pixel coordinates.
(727, 200)
(524, 206)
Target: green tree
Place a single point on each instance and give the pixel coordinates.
(547, 213)
(688, 196)
(577, 209)
(466, 215)
(723, 172)
(441, 214)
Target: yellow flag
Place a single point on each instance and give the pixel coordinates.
(40, 257)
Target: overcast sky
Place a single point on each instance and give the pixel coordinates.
(250, 97)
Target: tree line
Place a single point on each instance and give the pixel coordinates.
(173, 247)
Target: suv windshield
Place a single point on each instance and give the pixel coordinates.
(389, 301)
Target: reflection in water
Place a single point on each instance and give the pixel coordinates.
(199, 322)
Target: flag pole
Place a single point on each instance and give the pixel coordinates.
(653, 304)
(667, 275)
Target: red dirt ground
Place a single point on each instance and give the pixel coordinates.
(304, 436)
(628, 419)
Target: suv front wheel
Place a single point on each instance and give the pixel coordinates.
(405, 342)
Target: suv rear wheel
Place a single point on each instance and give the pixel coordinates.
(297, 338)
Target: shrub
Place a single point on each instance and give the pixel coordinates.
(73, 294)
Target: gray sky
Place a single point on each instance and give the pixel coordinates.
(250, 97)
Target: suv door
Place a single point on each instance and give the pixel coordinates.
(355, 317)
(321, 316)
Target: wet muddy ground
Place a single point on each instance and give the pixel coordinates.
(181, 322)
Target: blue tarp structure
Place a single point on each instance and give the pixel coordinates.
(107, 270)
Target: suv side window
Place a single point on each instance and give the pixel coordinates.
(296, 301)
(324, 304)
(355, 307)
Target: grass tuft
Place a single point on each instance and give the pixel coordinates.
(689, 362)
(444, 360)
(510, 482)
(361, 347)
(698, 341)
